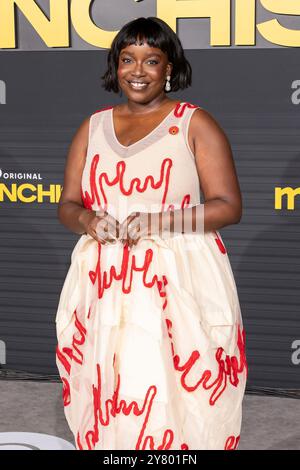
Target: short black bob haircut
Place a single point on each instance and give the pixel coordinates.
(156, 33)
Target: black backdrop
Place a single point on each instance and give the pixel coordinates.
(253, 95)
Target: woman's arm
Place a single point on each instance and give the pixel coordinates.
(216, 171)
(70, 211)
(222, 203)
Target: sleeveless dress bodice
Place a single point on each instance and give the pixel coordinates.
(156, 173)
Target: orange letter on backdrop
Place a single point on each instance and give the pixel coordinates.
(272, 30)
(218, 12)
(86, 29)
(245, 27)
(54, 32)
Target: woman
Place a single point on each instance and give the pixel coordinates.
(151, 347)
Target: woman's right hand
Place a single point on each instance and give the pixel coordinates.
(103, 227)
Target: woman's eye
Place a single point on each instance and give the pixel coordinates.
(151, 60)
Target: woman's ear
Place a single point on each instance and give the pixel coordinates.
(169, 68)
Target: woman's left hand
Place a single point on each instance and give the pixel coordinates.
(141, 224)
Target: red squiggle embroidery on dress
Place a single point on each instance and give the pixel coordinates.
(180, 109)
(112, 407)
(232, 443)
(161, 290)
(89, 199)
(74, 352)
(228, 367)
(66, 391)
(105, 279)
(184, 203)
(62, 358)
(219, 243)
(68, 354)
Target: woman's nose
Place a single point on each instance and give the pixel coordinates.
(138, 68)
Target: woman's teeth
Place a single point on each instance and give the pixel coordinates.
(138, 86)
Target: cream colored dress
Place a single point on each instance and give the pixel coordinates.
(151, 345)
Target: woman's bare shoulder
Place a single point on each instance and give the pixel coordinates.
(204, 125)
(203, 118)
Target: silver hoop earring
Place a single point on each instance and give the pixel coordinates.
(168, 85)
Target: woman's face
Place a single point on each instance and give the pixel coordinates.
(142, 72)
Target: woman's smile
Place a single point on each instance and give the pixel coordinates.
(137, 85)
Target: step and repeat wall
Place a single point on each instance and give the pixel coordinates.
(245, 59)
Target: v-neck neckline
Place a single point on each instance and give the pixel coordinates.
(132, 146)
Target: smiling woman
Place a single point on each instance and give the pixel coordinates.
(151, 345)
(128, 56)
(160, 55)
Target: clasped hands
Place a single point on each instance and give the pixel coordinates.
(133, 228)
(188, 220)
